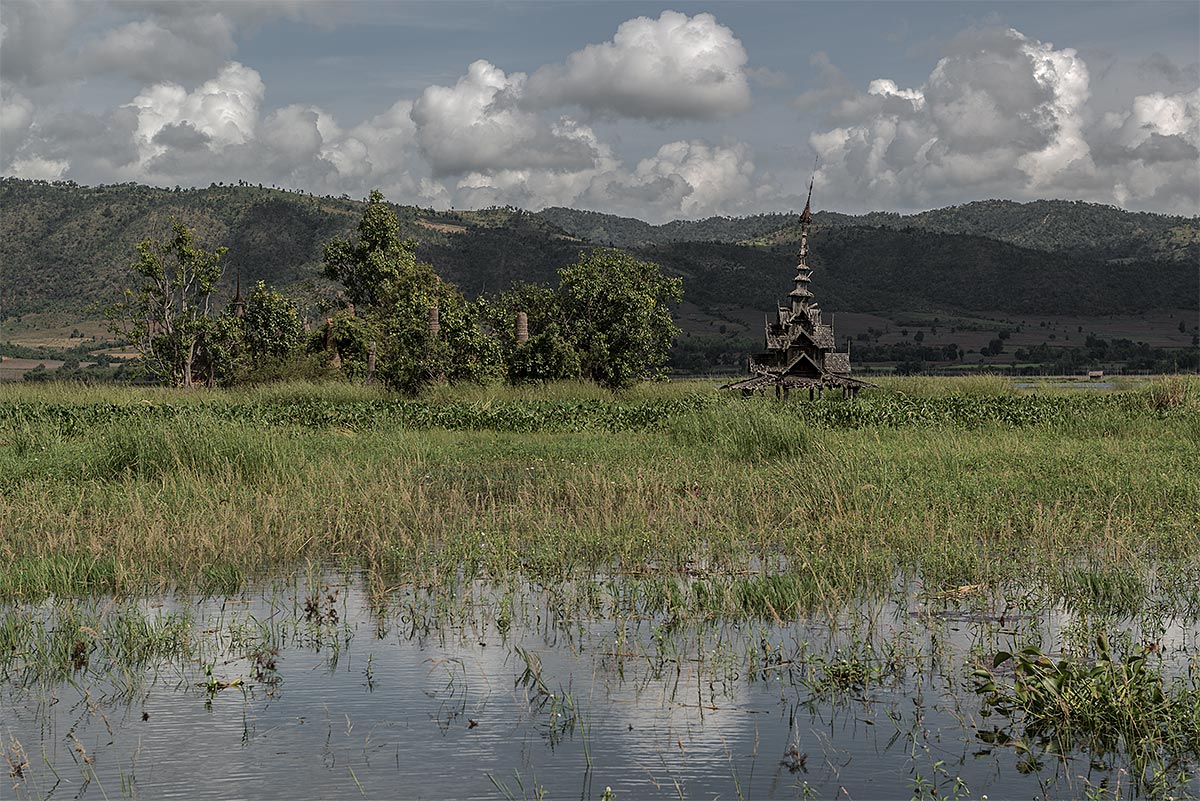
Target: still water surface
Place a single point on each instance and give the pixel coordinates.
(508, 694)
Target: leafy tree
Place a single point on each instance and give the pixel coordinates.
(615, 311)
(545, 357)
(350, 337)
(549, 355)
(608, 321)
(372, 267)
(217, 361)
(168, 318)
(395, 292)
(271, 324)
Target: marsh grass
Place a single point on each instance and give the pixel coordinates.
(1103, 589)
(1172, 392)
(983, 384)
(756, 432)
(764, 505)
(71, 638)
(187, 448)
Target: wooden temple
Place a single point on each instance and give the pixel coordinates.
(801, 351)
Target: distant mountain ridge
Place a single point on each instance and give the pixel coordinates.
(1050, 225)
(68, 247)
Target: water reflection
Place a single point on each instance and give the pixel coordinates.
(505, 692)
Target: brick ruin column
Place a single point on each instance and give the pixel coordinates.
(522, 328)
(434, 322)
(336, 361)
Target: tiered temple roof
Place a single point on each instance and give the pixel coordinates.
(801, 349)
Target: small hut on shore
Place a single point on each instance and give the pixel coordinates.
(801, 351)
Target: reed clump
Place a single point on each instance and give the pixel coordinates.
(69, 637)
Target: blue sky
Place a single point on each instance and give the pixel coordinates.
(650, 110)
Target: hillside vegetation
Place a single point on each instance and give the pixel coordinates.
(1046, 225)
(65, 247)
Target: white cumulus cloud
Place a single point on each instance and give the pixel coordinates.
(675, 66)
(1152, 150)
(479, 124)
(224, 110)
(38, 168)
(716, 177)
(1003, 115)
(16, 115)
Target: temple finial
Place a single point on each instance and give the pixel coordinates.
(806, 215)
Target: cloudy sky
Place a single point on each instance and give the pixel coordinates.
(656, 111)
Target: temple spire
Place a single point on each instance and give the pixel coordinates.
(806, 215)
(800, 294)
(801, 350)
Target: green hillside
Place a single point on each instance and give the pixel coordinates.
(65, 247)
(1046, 225)
(1061, 225)
(623, 232)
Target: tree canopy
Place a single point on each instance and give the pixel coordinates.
(608, 321)
(271, 324)
(617, 310)
(393, 293)
(168, 317)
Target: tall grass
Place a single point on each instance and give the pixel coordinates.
(109, 492)
(754, 433)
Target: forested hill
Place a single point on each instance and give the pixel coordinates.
(1048, 225)
(67, 247)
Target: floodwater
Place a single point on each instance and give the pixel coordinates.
(515, 691)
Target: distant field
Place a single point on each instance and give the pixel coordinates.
(13, 369)
(1158, 328)
(53, 330)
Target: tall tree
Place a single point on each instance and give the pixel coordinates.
(372, 266)
(549, 354)
(616, 310)
(393, 293)
(168, 318)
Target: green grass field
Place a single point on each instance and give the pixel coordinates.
(765, 508)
